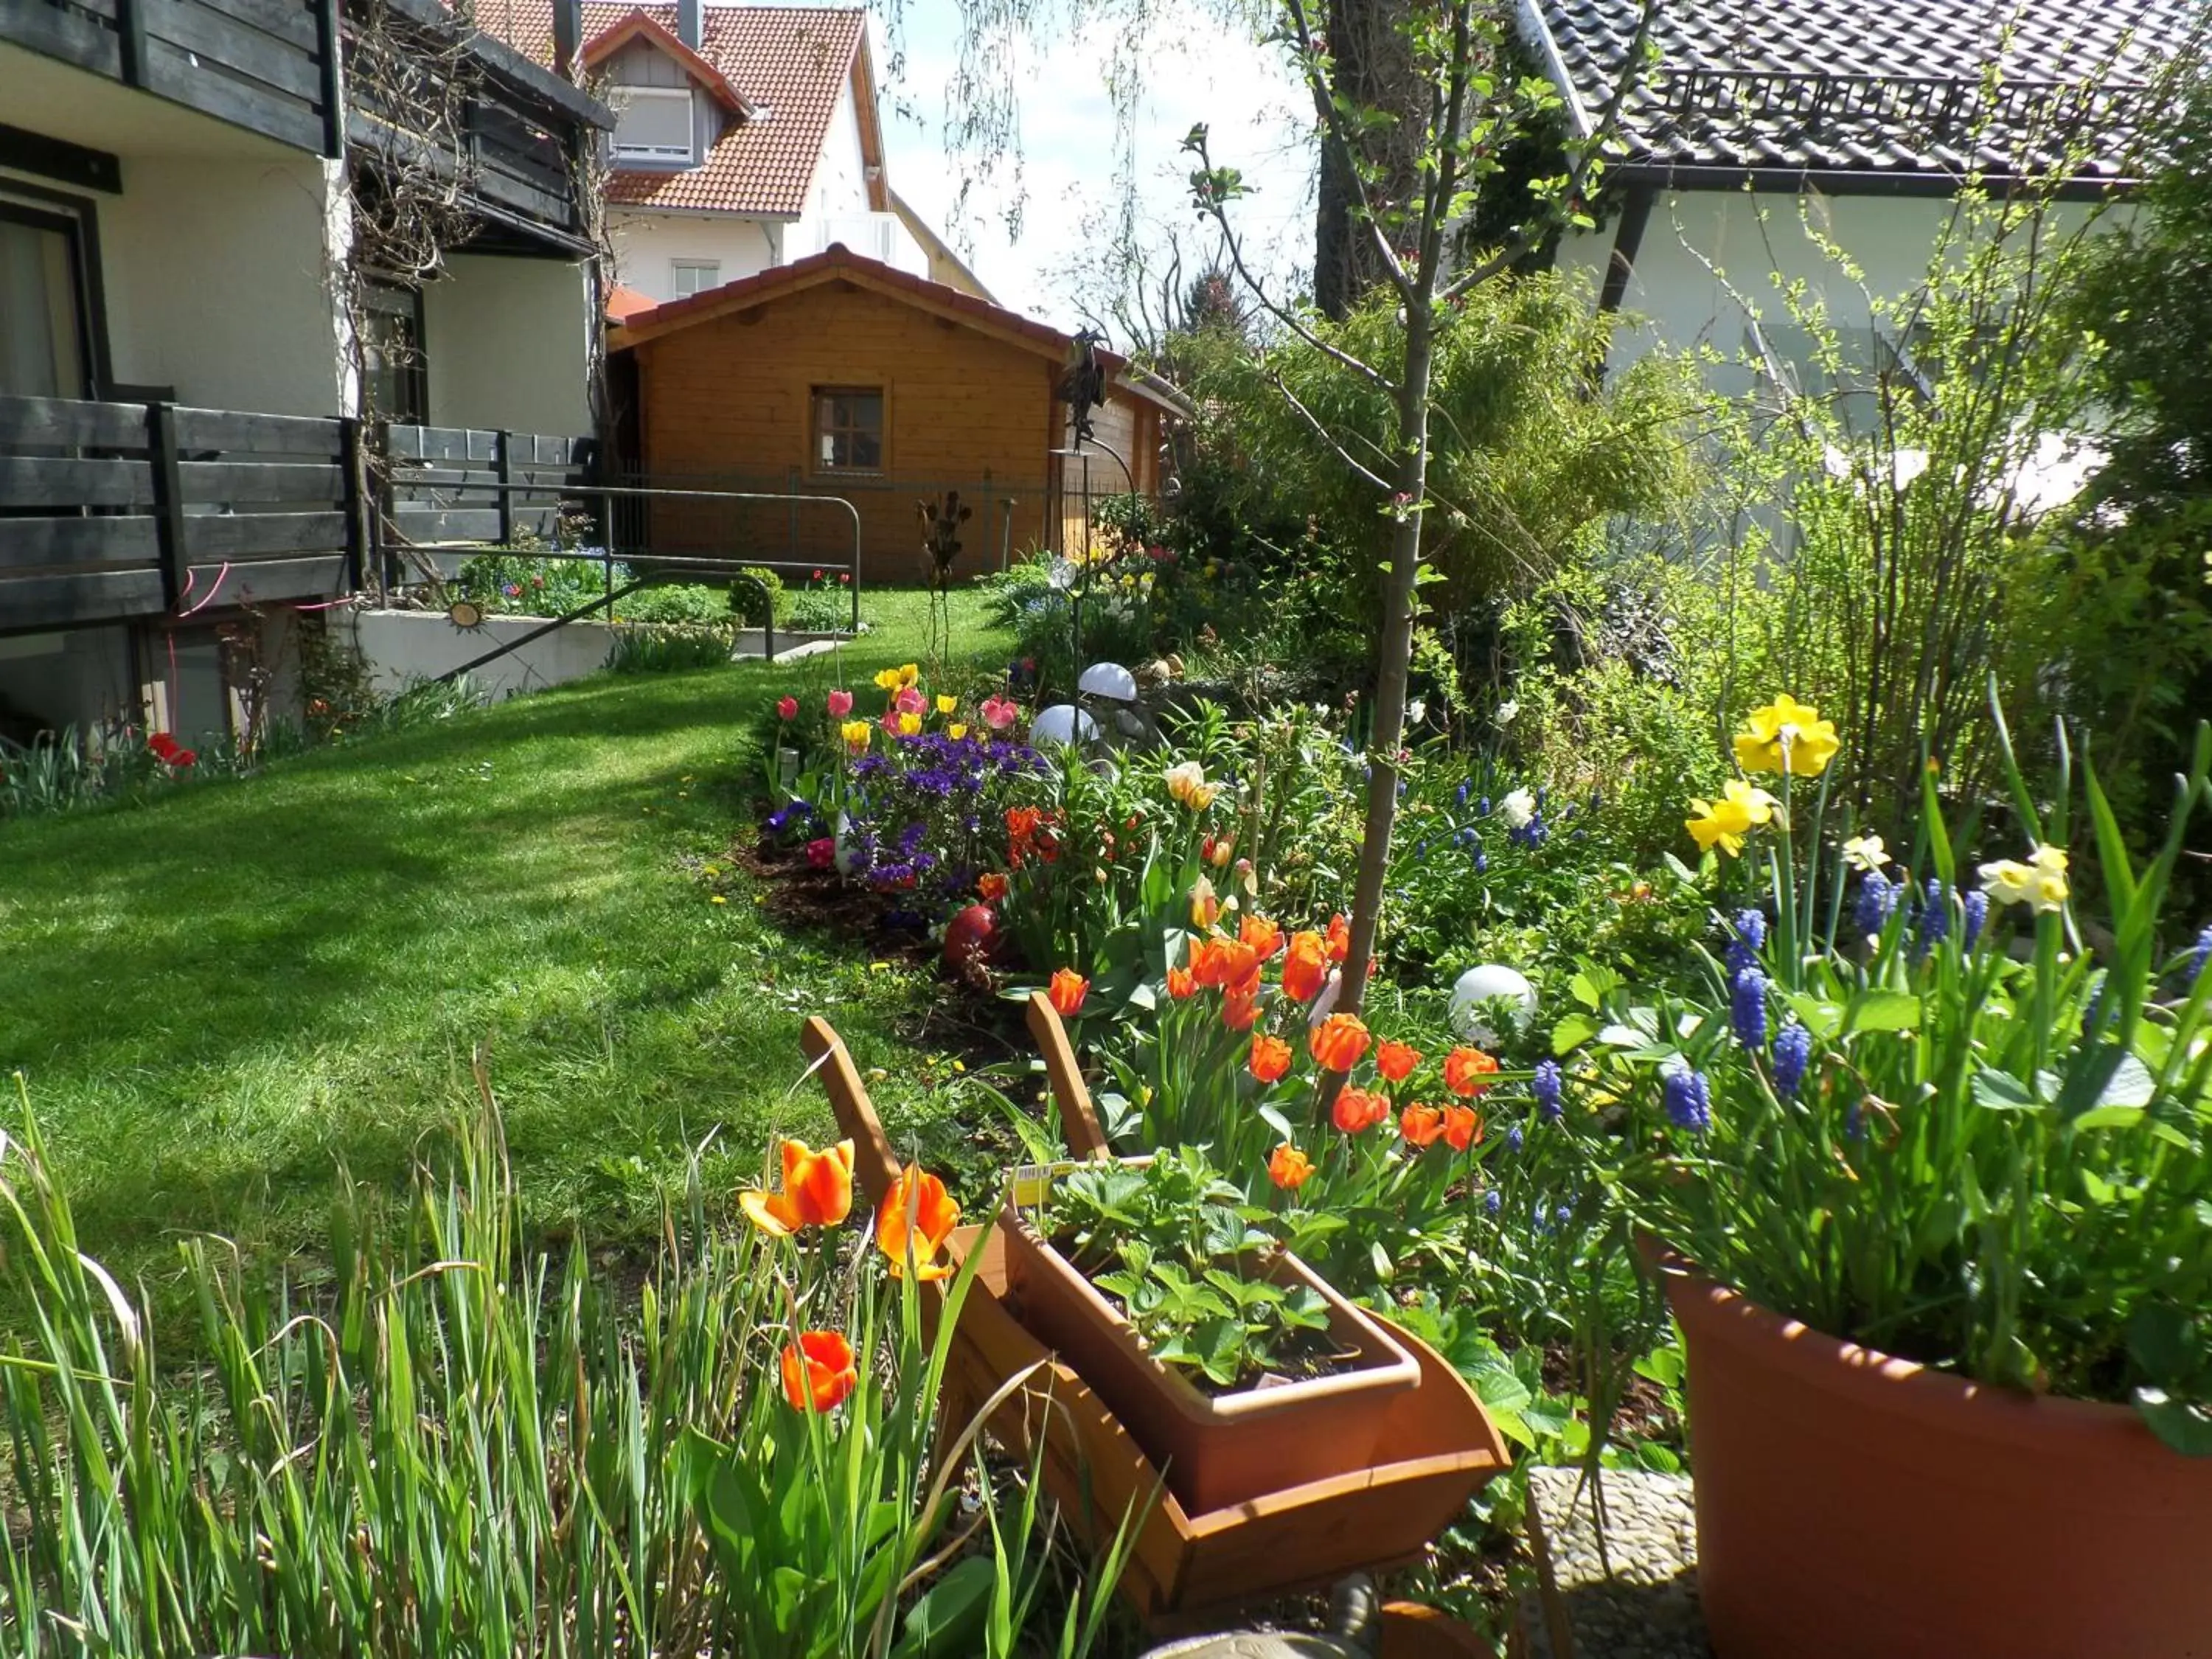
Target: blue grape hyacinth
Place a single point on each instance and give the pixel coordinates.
(1793, 1047)
(1747, 1009)
(1976, 905)
(2199, 956)
(1689, 1100)
(1935, 917)
(1877, 898)
(1545, 1086)
(1750, 937)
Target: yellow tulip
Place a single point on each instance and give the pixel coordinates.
(955, 732)
(908, 673)
(888, 680)
(947, 705)
(909, 725)
(855, 734)
(1786, 736)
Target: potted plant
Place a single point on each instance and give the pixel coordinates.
(1929, 1176)
(1229, 1361)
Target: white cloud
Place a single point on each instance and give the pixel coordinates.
(1065, 177)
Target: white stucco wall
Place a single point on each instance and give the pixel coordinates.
(506, 342)
(1752, 244)
(215, 277)
(646, 244)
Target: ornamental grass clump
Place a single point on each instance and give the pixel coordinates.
(1931, 1107)
(455, 1447)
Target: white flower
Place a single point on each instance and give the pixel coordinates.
(2040, 883)
(1416, 712)
(1506, 712)
(1866, 853)
(1517, 809)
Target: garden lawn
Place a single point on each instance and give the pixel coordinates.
(217, 999)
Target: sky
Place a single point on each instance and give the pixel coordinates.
(1198, 70)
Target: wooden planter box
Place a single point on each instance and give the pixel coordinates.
(1186, 1565)
(1217, 1449)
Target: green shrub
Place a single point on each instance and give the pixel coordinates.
(679, 601)
(643, 648)
(745, 599)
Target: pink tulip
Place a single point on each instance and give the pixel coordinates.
(787, 708)
(841, 704)
(999, 712)
(910, 701)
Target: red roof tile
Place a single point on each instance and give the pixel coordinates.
(839, 262)
(790, 61)
(624, 302)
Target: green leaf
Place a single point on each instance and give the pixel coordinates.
(1883, 1011)
(946, 1621)
(1661, 1460)
(1819, 1016)
(2162, 1340)
(2001, 1091)
(1573, 1032)
(1664, 1366)
(2184, 1424)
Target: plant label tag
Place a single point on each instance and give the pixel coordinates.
(1030, 1182)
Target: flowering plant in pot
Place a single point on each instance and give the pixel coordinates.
(1930, 1168)
(1230, 1362)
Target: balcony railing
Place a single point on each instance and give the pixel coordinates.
(267, 65)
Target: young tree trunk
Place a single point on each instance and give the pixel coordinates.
(1394, 658)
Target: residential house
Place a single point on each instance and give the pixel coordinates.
(1870, 118)
(231, 232)
(841, 376)
(747, 136)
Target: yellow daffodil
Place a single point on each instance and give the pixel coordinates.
(2040, 883)
(1725, 823)
(855, 734)
(1866, 853)
(947, 705)
(1786, 736)
(956, 731)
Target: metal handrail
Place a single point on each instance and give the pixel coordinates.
(606, 493)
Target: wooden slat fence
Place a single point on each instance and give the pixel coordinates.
(116, 510)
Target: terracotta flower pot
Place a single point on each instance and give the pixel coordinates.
(1851, 1504)
(1217, 1450)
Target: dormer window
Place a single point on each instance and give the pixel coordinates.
(653, 125)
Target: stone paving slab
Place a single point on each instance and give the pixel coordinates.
(1647, 1607)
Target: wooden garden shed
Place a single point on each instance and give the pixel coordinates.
(840, 375)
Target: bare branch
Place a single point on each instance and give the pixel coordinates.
(1321, 431)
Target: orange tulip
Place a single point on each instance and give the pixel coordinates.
(919, 1215)
(1339, 938)
(1464, 1070)
(1395, 1060)
(1206, 963)
(1289, 1168)
(1338, 1041)
(1421, 1125)
(1261, 934)
(1305, 969)
(1358, 1110)
(1068, 990)
(1240, 967)
(818, 1190)
(1180, 983)
(1462, 1127)
(1240, 1010)
(991, 886)
(819, 1371)
(1271, 1058)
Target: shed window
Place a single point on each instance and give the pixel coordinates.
(652, 124)
(848, 428)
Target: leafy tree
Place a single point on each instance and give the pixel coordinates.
(1408, 223)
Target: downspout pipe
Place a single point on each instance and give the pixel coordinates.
(1628, 242)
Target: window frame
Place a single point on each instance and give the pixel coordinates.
(712, 267)
(76, 219)
(383, 297)
(817, 400)
(665, 156)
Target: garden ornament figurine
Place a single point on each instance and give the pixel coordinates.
(1355, 1632)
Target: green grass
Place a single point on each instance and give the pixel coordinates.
(218, 998)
